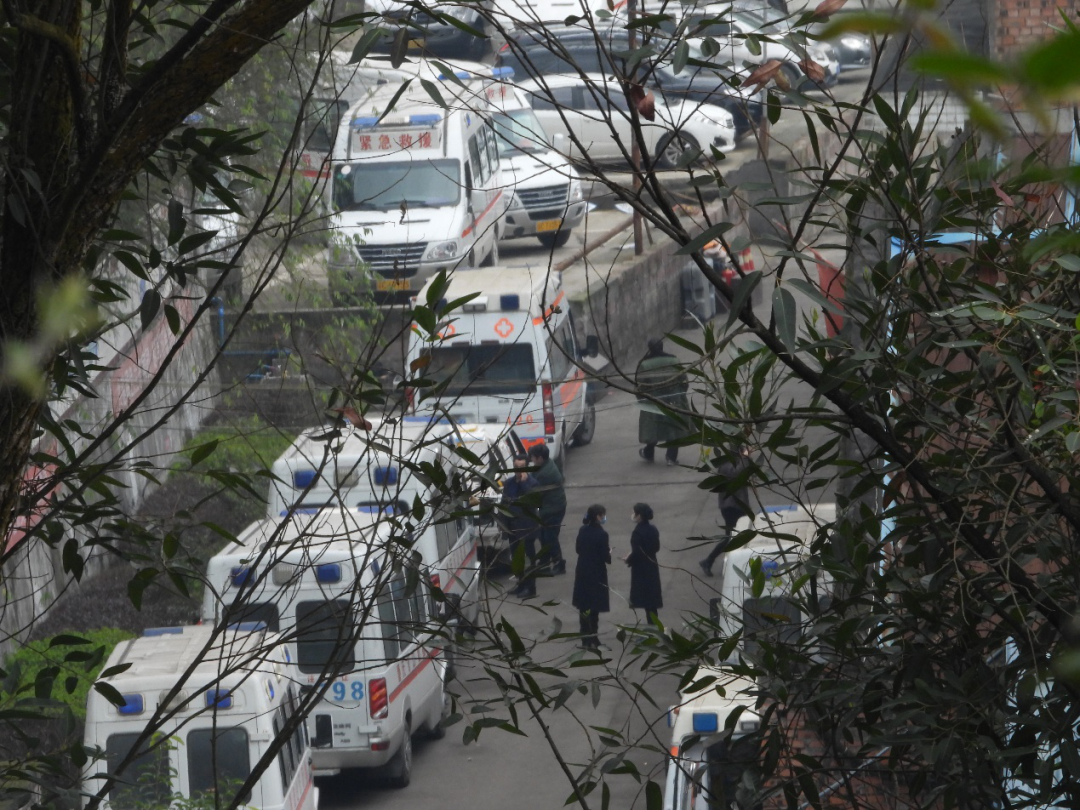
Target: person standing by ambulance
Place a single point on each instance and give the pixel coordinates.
(659, 379)
(549, 486)
(522, 524)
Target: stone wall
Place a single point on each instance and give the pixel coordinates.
(34, 575)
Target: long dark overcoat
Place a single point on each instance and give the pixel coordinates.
(659, 376)
(644, 571)
(590, 576)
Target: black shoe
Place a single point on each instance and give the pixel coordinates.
(672, 462)
(706, 569)
(641, 452)
(526, 593)
(558, 568)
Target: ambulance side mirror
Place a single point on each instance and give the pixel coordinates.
(558, 143)
(592, 346)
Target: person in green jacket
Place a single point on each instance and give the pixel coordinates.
(549, 486)
(659, 378)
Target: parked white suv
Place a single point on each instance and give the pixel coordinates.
(593, 112)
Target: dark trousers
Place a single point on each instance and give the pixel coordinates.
(527, 580)
(672, 453)
(731, 515)
(550, 548)
(590, 628)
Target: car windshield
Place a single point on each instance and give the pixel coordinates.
(519, 131)
(384, 185)
(498, 369)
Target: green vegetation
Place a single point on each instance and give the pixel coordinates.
(61, 668)
(246, 446)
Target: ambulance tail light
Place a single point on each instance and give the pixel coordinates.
(436, 581)
(549, 410)
(378, 704)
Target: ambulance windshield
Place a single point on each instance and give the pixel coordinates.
(498, 369)
(519, 131)
(385, 185)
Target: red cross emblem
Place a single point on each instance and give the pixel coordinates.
(504, 328)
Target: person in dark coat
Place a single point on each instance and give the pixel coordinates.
(659, 378)
(644, 570)
(734, 501)
(521, 522)
(591, 596)
(549, 485)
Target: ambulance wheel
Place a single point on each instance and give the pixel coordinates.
(554, 240)
(399, 769)
(584, 433)
(438, 730)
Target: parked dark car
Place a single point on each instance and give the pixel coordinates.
(572, 50)
(430, 35)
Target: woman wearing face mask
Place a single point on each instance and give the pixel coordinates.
(644, 570)
(590, 576)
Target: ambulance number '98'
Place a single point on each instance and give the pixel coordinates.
(354, 691)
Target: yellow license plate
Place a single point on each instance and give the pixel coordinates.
(548, 225)
(392, 284)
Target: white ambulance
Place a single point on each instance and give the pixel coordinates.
(416, 189)
(548, 200)
(400, 468)
(189, 734)
(781, 553)
(715, 744)
(339, 584)
(509, 356)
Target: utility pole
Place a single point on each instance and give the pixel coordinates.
(635, 151)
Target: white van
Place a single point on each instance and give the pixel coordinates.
(510, 356)
(548, 200)
(212, 727)
(360, 619)
(714, 742)
(416, 189)
(781, 556)
(380, 472)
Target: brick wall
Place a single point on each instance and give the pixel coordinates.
(1018, 24)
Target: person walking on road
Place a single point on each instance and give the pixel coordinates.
(521, 522)
(549, 482)
(591, 596)
(659, 378)
(734, 501)
(644, 570)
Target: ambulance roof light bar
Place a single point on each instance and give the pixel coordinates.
(417, 120)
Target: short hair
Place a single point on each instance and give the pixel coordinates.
(643, 510)
(594, 513)
(656, 345)
(521, 457)
(540, 451)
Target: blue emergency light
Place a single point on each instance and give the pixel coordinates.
(328, 572)
(425, 119)
(133, 704)
(706, 722)
(386, 476)
(502, 73)
(365, 121)
(218, 699)
(510, 301)
(461, 74)
(240, 575)
(302, 479)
